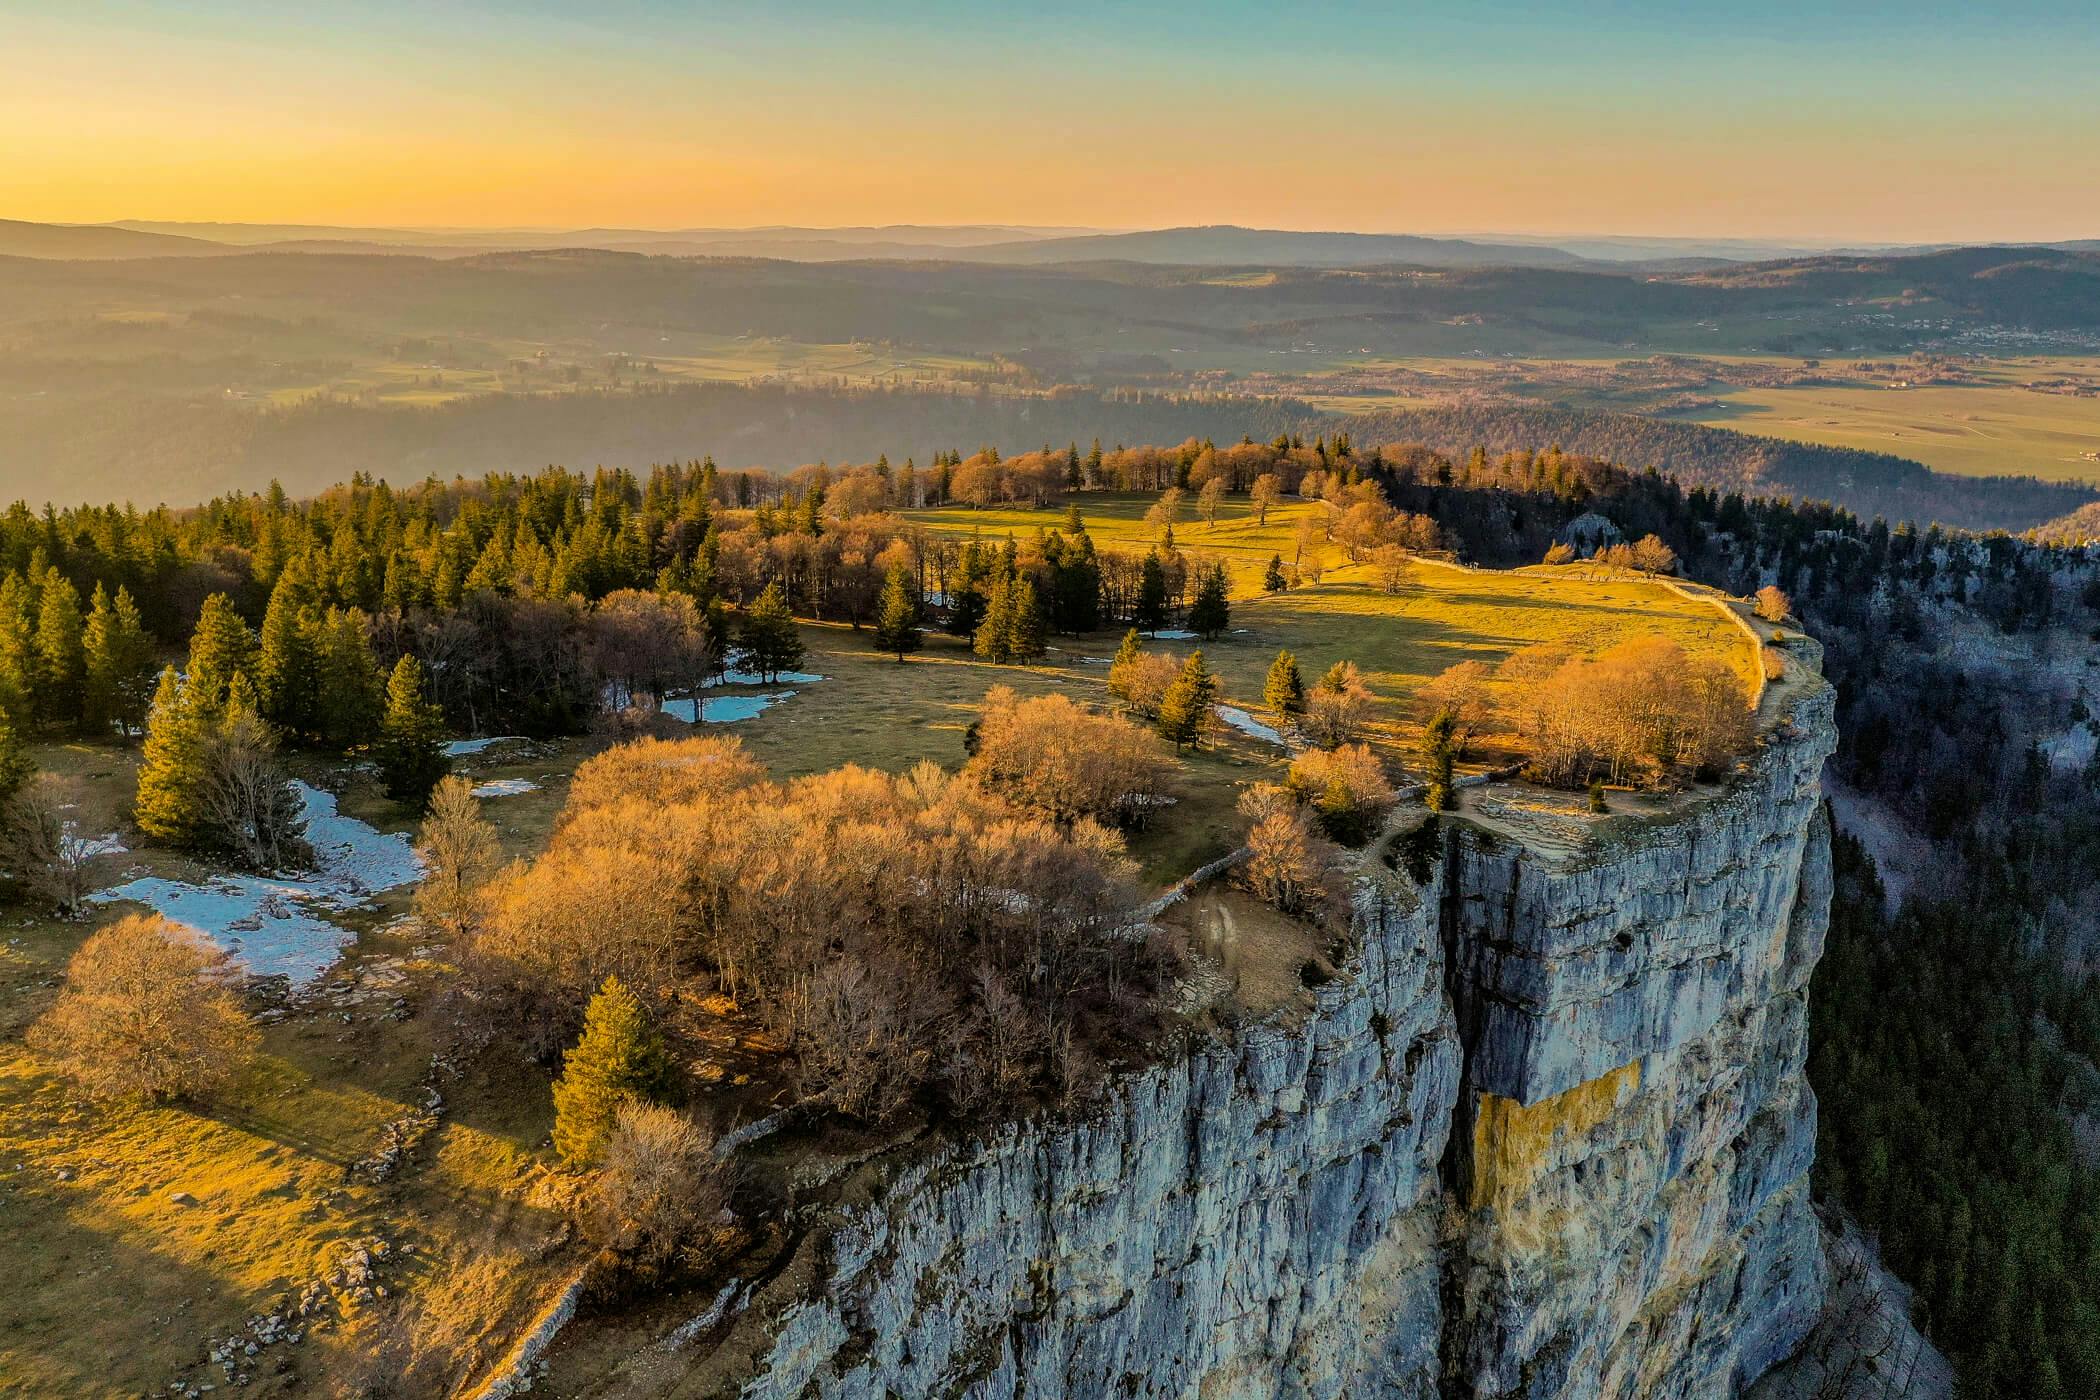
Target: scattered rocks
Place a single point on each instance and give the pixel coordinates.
(400, 1137)
(181, 1198)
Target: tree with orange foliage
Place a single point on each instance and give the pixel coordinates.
(145, 1014)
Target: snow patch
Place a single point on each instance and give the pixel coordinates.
(1174, 634)
(461, 748)
(76, 847)
(736, 675)
(505, 787)
(722, 709)
(274, 925)
(1248, 724)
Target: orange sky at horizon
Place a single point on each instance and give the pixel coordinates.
(153, 119)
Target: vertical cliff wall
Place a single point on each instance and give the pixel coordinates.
(1547, 1134)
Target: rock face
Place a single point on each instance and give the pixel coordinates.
(1547, 1134)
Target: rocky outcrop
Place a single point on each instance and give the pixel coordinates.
(1546, 1134)
(1261, 1214)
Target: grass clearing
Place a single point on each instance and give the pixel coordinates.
(1970, 430)
(119, 1286)
(1452, 614)
(1117, 521)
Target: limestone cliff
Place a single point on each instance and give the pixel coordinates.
(1546, 1134)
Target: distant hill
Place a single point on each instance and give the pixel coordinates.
(2040, 288)
(2081, 526)
(1218, 245)
(1229, 245)
(1866, 483)
(96, 241)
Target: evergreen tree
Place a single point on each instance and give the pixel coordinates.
(169, 805)
(1151, 611)
(1025, 628)
(772, 642)
(119, 663)
(1273, 581)
(350, 699)
(411, 746)
(1439, 753)
(221, 647)
(967, 599)
(1185, 715)
(995, 635)
(17, 650)
(15, 766)
(287, 675)
(1075, 524)
(1131, 648)
(1284, 690)
(1210, 613)
(897, 614)
(61, 652)
(618, 1057)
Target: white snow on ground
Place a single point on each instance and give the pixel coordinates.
(736, 675)
(505, 787)
(78, 847)
(1248, 724)
(275, 926)
(722, 709)
(460, 748)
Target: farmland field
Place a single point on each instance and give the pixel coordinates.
(1994, 428)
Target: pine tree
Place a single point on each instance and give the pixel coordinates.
(1185, 715)
(119, 663)
(1439, 752)
(410, 751)
(1284, 690)
(169, 804)
(1151, 612)
(772, 642)
(1210, 613)
(1274, 581)
(221, 647)
(897, 614)
(17, 651)
(1025, 630)
(15, 766)
(618, 1057)
(350, 699)
(1075, 524)
(287, 678)
(61, 652)
(995, 635)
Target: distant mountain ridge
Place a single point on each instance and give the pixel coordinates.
(1209, 245)
(98, 241)
(1231, 245)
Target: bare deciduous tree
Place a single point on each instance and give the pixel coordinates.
(37, 846)
(146, 1014)
(1051, 756)
(1338, 707)
(659, 1202)
(460, 856)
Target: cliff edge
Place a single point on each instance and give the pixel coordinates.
(1546, 1134)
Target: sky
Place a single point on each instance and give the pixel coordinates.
(1887, 122)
